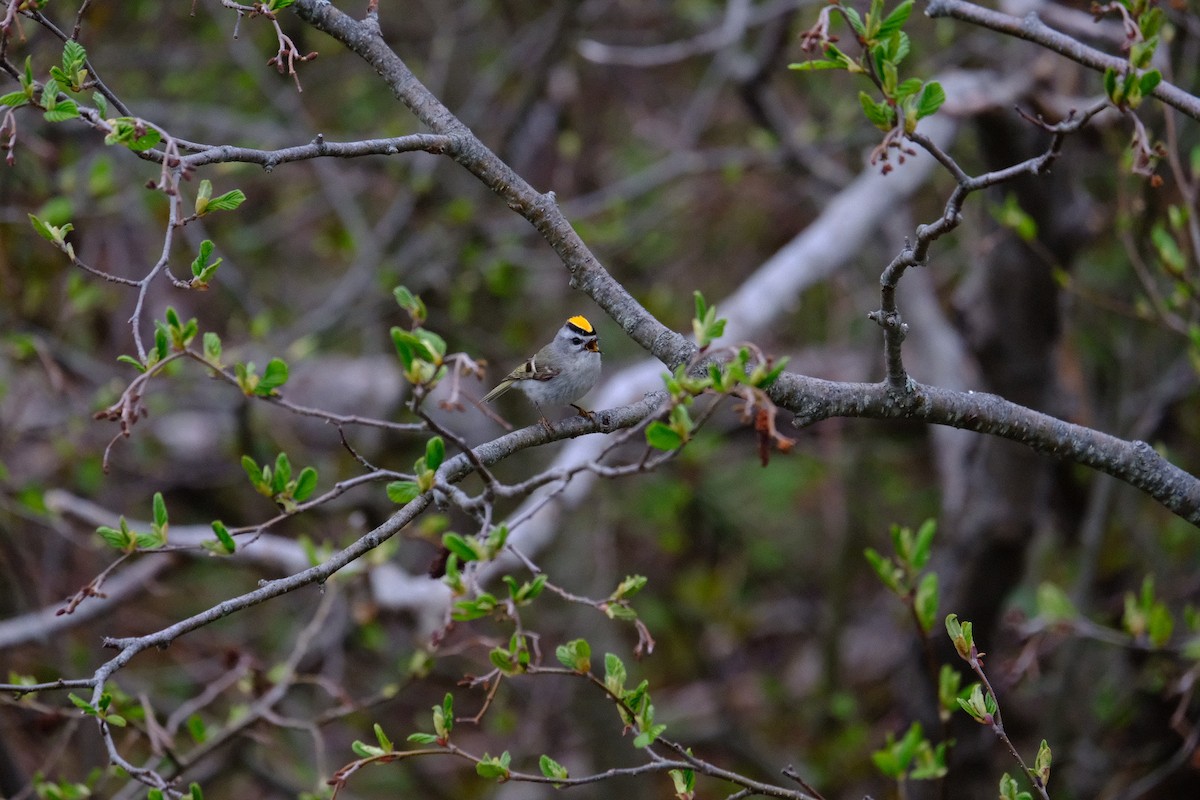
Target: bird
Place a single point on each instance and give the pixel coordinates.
(561, 372)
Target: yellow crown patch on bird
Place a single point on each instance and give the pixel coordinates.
(582, 324)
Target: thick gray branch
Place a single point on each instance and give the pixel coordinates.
(1135, 463)
(1032, 29)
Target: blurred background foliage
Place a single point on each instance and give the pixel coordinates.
(776, 643)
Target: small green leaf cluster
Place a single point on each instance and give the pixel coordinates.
(705, 325)
(1146, 618)
(552, 769)
(278, 483)
(443, 723)
(28, 89)
(513, 659)
(633, 704)
(1010, 215)
(412, 304)
(101, 710)
(202, 268)
(575, 655)
(62, 790)
(278, 5)
(385, 746)
(494, 767)
(885, 45)
(467, 549)
(224, 545)
(425, 469)
(132, 133)
(266, 385)
(616, 606)
(684, 782)
(1040, 774)
(206, 203)
(912, 757)
(678, 428)
(72, 75)
(979, 705)
(1053, 605)
(1127, 88)
(902, 573)
(422, 352)
(962, 636)
(55, 234)
(194, 792)
(127, 540)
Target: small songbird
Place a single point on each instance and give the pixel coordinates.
(561, 372)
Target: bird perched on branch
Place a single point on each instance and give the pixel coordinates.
(561, 372)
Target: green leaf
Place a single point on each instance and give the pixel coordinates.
(364, 750)
(100, 103)
(49, 94)
(661, 436)
(648, 736)
(162, 347)
(73, 57)
(629, 587)
(878, 114)
(923, 544)
(552, 769)
(890, 574)
(435, 453)
(282, 474)
(382, 738)
(575, 655)
(1053, 605)
(82, 704)
(14, 99)
(925, 603)
(895, 21)
(422, 738)
(1010, 791)
(855, 20)
(949, 683)
(1112, 88)
(458, 545)
(223, 536)
(160, 510)
(1141, 53)
(932, 97)
(202, 270)
(614, 674)
(227, 202)
(1041, 766)
(305, 484)
(908, 88)
(1149, 80)
(494, 767)
(253, 472)
(212, 347)
(410, 303)
(475, 608)
(124, 359)
(403, 492)
(274, 376)
(961, 635)
(814, 65)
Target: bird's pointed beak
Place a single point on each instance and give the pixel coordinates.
(594, 346)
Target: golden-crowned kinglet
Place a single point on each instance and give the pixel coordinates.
(561, 372)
